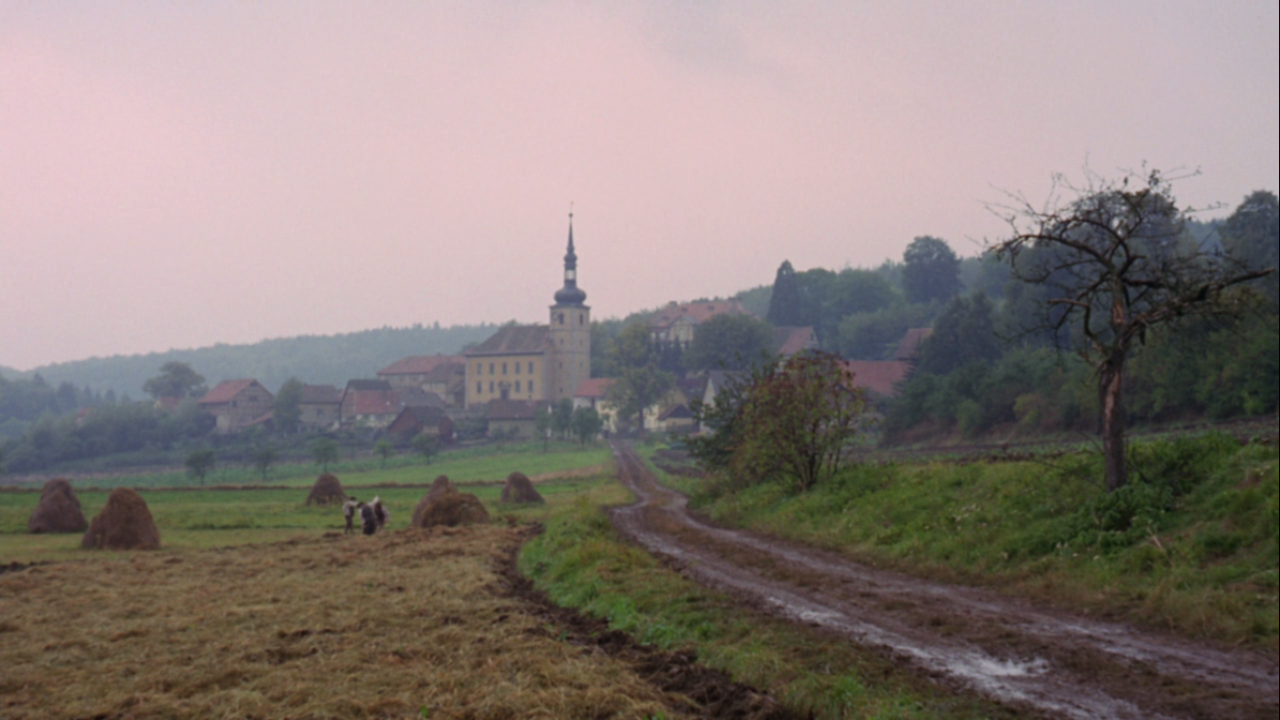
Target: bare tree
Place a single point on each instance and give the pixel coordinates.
(1114, 261)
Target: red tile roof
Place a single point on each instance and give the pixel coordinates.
(226, 391)
(792, 340)
(377, 402)
(696, 311)
(513, 409)
(320, 395)
(878, 376)
(594, 388)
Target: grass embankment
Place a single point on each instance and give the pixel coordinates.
(581, 563)
(1189, 546)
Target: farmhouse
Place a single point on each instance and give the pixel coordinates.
(369, 403)
(443, 375)
(237, 404)
(678, 322)
(320, 407)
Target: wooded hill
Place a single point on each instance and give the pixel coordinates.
(317, 359)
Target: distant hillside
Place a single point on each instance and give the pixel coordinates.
(317, 359)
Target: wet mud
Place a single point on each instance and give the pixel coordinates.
(1042, 662)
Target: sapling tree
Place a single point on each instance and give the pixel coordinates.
(1115, 261)
(797, 420)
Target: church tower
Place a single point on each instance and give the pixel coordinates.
(570, 361)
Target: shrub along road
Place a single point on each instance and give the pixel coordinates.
(1041, 661)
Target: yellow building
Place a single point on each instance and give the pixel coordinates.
(536, 362)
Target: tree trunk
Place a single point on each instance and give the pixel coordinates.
(1110, 384)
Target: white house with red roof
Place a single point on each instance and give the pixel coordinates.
(369, 404)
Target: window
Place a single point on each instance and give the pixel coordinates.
(479, 368)
(490, 387)
(479, 387)
(530, 387)
(560, 318)
(517, 368)
(517, 383)
(504, 368)
(490, 368)
(530, 367)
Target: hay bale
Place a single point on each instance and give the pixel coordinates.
(441, 486)
(452, 509)
(326, 491)
(58, 510)
(519, 489)
(125, 523)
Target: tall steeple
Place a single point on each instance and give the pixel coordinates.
(570, 294)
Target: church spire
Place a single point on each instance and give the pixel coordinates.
(570, 294)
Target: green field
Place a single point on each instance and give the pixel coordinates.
(190, 517)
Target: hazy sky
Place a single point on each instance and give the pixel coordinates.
(185, 173)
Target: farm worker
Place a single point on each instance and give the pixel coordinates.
(369, 519)
(349, 511)
(380, 512)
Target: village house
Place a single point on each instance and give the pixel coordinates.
(514, 419)
(592, 393)
(369, 404)
(444, 375)
(237, 404)
(678, 322)
(417, 419)
(788, 341)
(320, 407)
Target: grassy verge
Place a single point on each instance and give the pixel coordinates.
(581, 563)
(1189, 546)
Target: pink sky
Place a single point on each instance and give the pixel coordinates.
(175, 175)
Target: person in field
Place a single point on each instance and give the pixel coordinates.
(380, 512)
(349, 510)
(368, 519)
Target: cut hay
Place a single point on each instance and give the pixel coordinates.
(453, 509)
(322, 630)
(519, 490)
(125, 523)
(58, 510)
(441, 486)
(327, 491)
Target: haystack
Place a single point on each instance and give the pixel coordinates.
(327, 491)
(519, 490)
(441, 486)
(58, 510)
(452, 509)
(125, 523)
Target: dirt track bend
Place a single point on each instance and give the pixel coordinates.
(1040, 661)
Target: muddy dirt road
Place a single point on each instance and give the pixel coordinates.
(1043, 662)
